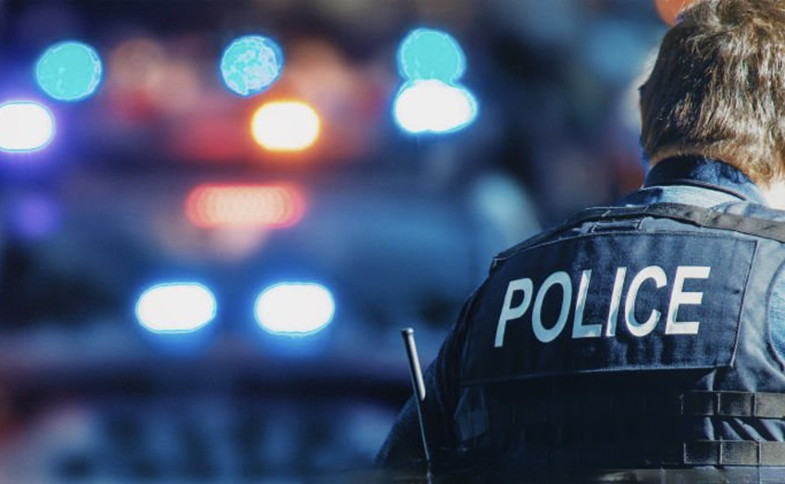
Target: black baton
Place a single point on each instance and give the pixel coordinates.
(419, 386)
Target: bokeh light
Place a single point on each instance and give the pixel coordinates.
(434, 107)
(176, 307)
(146, 77)
(25, 126)
(251, 64)
(34, 216)
(285, 126)
(669, 10)
(352, 102)
(294, 308)
(69, 71)
(137, 64)
(210, 206)
(431, 54)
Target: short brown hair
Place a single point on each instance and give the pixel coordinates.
(718, 88)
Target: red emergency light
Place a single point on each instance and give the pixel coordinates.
(267, 206)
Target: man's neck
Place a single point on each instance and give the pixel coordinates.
(775, 194)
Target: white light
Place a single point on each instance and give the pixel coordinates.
(25, 126)
(176, 308)
(431, 106)
(285, 126)
(295, 309)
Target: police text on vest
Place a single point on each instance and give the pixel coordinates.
(652, 275)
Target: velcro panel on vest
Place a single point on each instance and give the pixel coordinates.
(772, 453)
(611, 302)
(721, 453)
(734, 453)
(644, 454)
(734, 404)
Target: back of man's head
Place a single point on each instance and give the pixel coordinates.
(718, 88)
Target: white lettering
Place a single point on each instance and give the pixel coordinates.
(679, 297)
(524, 289)
(547, 335)
(578, 328)
(613, 312)
(508, 312)
(642, 329)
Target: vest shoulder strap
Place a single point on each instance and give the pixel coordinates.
(691, 214)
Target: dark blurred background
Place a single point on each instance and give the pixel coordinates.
(398, 228)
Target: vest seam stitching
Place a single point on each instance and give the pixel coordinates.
(780, 359)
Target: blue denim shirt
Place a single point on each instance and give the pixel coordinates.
(707, 183)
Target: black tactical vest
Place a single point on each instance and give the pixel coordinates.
(629, 338)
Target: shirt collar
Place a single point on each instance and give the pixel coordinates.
(706, 173)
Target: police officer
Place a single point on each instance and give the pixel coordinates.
(651, 334)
